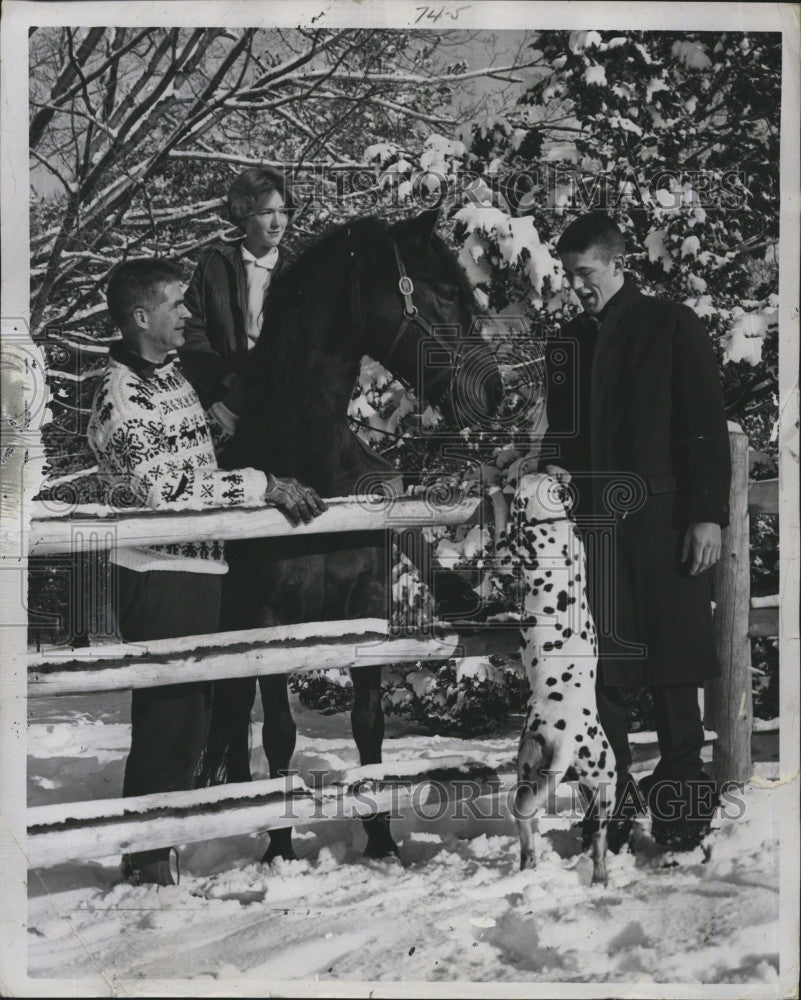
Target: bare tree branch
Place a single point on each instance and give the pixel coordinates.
(144, 103)
(62, 84)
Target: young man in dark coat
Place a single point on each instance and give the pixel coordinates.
(636, 423)
(228, 290)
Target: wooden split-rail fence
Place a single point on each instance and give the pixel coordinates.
(63, 832)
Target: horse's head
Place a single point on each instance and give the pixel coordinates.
(395, 292)
(418, 315)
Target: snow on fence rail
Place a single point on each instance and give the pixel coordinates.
(354, 642)
(61, 833)
(56, 527)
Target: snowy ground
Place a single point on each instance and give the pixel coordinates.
(454, 908)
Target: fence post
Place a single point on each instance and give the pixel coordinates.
(728, 703)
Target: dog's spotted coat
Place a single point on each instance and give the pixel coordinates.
(559, 649)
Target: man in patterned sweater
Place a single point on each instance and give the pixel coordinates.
(152, 441)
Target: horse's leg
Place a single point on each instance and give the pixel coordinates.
(279, 734)
(367, 598)
(367, 721)
(226, 757)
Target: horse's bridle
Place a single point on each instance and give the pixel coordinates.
(411, 314)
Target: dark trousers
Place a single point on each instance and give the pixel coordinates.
(678, 728)
(169, 724)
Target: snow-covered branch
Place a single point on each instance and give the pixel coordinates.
(416, 79)
(249, 161)
(437, 120)
(176, 214)
(74, 112)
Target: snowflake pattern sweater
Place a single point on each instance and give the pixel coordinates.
(154, 444)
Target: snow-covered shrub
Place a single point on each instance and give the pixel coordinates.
(469, 696)
(326, 691)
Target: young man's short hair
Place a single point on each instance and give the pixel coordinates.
(139, 282)
(594, 231)
(251, 187)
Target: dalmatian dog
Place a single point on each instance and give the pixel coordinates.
(559, 649)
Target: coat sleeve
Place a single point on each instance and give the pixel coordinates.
(699, 430)
(205, 367)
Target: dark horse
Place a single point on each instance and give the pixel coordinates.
(364, 288)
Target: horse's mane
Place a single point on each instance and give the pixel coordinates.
(292, 317)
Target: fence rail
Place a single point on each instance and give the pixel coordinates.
(57, 528)
(61, 833)
(361, 642)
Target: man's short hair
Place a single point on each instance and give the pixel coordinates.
(251, 187)
(593, 231)
(139, 282)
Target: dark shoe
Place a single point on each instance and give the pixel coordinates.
(159, 867)
(647, 784)
(680, 835)
(682, 811)
(380, 843)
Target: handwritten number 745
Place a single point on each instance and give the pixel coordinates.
(434, 14)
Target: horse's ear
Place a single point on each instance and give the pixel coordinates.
(421, 228)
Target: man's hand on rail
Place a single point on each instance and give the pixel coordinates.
(296, 501)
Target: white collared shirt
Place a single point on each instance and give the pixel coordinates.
(258, 271)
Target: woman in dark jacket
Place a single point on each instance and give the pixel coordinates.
(227, 293)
